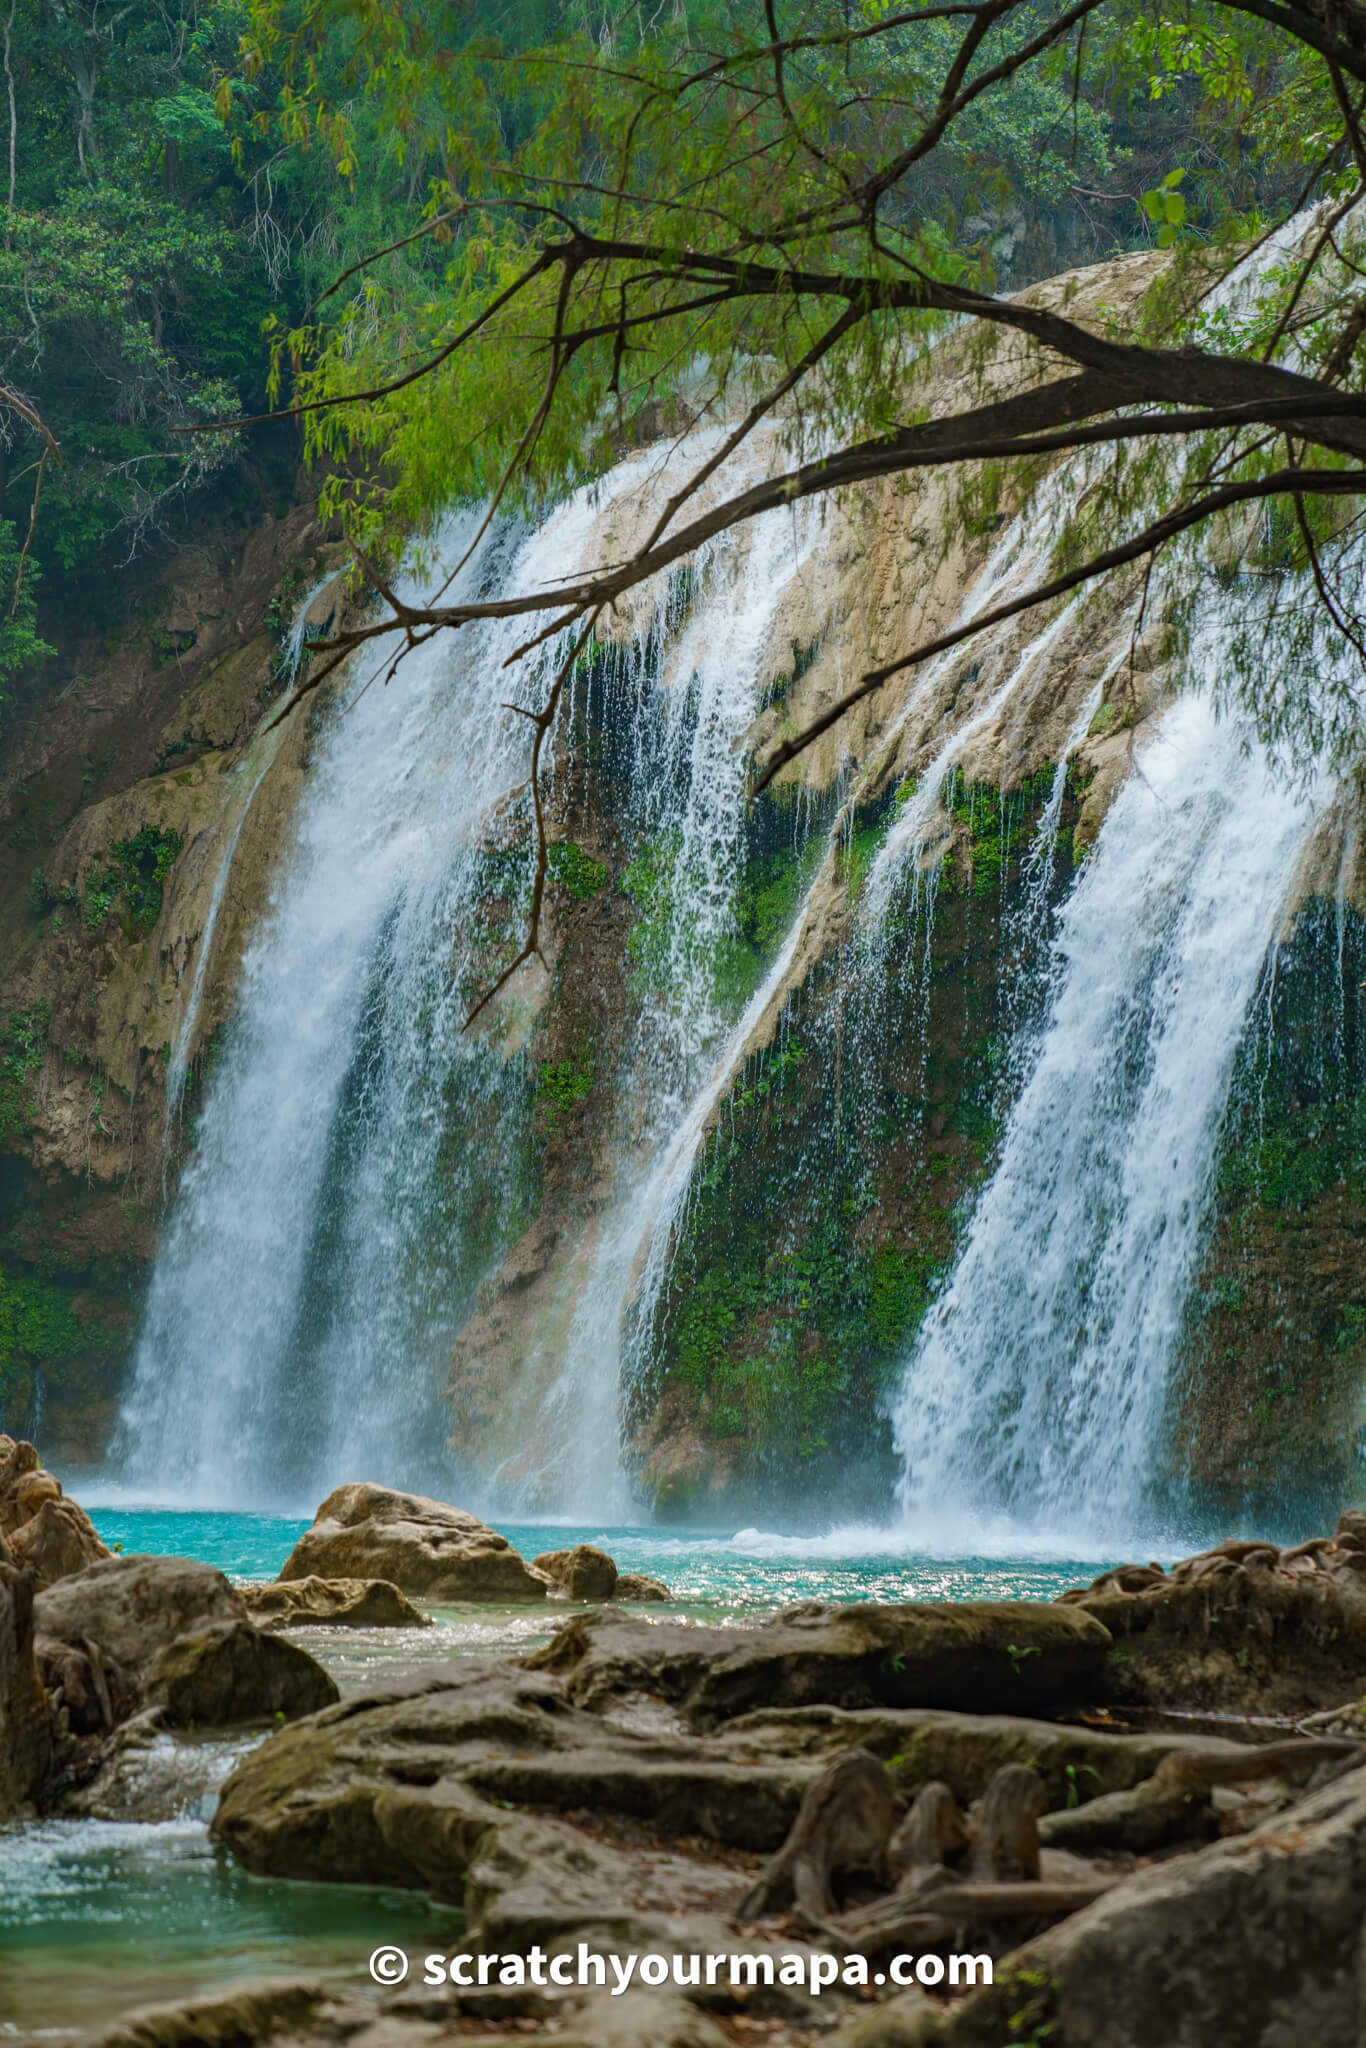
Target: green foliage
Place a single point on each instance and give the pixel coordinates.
(575, 871)
(822, 1212)
(21, 645)
(994, 820)
(42, 1328)
(23, 1036)
(135, 874)
(561, 1084)
(1165, 208)
(648, 881)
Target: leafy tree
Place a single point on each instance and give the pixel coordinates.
(791, 196)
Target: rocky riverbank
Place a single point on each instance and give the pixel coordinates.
(1145, 1803)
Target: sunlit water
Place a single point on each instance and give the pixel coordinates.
(97, 1917)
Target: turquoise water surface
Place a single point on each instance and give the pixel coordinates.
(748, 1572)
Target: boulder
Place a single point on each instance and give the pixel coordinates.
(582, 1573)
(25, 1718)
(76, 1678)
(428, 1550)
(1008, 1656)
(40, 1526)
(132, 1608)
(639, 1586)
(134, 1632)
(230, 1672)
(331, 1603)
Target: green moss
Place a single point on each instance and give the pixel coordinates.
(40, 1328)
(560, 1084)
(768, 889)
(575, 871)
(648, 881)
(994, 820)
(832, 1189)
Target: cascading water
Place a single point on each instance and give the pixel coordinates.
(252, 771)
(1036, 1392)
(362, 1165)
(307, 1283)
(360, 1162)
(685, 1044)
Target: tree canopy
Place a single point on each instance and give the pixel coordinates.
(496, 238)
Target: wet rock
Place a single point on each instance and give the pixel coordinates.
(26, 1729)
(230, 1672)
(582, 1573)
(331, 1603)
(41, 1527)
(992, 1656)
(237, 2018)
(147, 1772)
(133, 1608)
(428, 1550)
(1255, 1940)
(364, 1791)
(641, 1587)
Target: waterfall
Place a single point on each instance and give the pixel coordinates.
(361, 1163)
(685, 1045)
(1037, 1387)
(253, 772)
(307, 1283)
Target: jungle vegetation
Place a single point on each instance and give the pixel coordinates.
(469, 248)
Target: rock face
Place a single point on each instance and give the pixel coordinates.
(1245, 1626)
(135, 1607)
(586, 1573)
(991, 1656)
(25, 1719)
(640, 1586)
(331, 1603)
(40, 1526)
(428, 1550)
